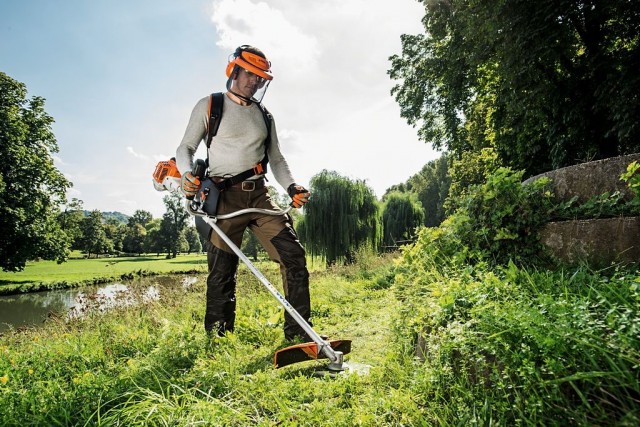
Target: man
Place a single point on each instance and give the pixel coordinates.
(240, 144)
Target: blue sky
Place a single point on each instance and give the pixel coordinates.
(121, 77)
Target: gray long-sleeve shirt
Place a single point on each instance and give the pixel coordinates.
(238, 145)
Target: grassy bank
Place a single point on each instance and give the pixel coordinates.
(78, 272)
(498, 347)
(153, 365)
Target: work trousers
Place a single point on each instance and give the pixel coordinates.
(277, 236)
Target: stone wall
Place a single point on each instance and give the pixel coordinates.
(598, 241)
(590, 179)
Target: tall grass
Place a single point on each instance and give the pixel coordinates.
(497, 346)
(153, 364)
(510, 346)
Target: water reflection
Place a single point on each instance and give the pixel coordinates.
(32, 309)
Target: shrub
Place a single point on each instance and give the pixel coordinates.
(495, 222)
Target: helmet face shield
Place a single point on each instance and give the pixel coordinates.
(248, 85)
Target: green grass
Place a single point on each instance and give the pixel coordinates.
(499, 347)
(78, 271)
(154, 365)
(524, 347)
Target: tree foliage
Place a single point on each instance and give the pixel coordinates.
(70, 220)
(141, 217)
(431, 185)
(174, 221)
(193, 239)
(154, 240)
(94, 238)
(134, 239)
(31, 188)
(472, 168)
(548, 83)
(342, 216)
(496, 221)
(402, 214)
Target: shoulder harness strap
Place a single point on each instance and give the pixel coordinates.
(216, 101)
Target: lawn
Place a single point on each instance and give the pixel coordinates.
(77, 272)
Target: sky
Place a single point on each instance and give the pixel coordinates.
(120, 78)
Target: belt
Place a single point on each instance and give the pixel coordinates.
(249, 185)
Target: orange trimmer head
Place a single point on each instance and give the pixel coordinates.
(307, 351)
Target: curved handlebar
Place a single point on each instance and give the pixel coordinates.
(192, 211)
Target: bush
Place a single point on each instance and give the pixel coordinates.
(495, 222)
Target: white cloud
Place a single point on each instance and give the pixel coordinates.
(284, 42)
(330, 93)
(73, 193)
(57, 160)
(131, 151)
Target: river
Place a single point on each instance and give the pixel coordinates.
(32, 309)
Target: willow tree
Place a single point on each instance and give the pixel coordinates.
(431, 185)
(342, 217)
(401, 215)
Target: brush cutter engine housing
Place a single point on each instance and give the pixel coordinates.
(167, 176)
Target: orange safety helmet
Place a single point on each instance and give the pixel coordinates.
(251, 59)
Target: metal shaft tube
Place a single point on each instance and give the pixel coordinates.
(323, 346)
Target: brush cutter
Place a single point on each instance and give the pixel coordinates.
(167, 177)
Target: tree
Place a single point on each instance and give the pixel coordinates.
(135, 233)
(431, 185)
(94, 239)
(173, 223)
(154, 240)
(31, 188)
(193, 240)
(70, 221)
(401, 216)
(115, 232)
(342, 217)
(251, 246)
(134, 238)
(471, 169)
(140, 217)
(547, 84)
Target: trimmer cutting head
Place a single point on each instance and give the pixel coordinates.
(310, 351)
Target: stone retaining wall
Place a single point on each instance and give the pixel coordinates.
(590, 179)
(601, 242)
(598, 241)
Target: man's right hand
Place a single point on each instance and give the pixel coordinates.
(189, 184)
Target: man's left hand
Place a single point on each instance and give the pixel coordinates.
(299, 195)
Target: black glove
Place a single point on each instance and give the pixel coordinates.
(299, 195)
